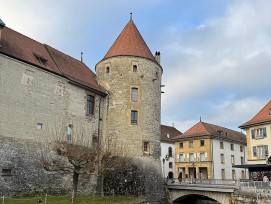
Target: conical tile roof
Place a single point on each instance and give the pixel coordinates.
(130, 43)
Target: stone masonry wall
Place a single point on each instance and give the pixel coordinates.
(117, 125)
(37, 106)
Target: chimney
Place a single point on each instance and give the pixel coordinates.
(157, 56)
(2, 25)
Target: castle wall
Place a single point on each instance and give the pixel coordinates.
(36, 107)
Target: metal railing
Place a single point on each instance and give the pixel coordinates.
(186, 181)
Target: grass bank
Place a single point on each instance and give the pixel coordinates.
(67, 200)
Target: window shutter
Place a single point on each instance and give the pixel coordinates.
(178, 156)
(187, 156)
(195, 157)
(254, 151)
(264, 132)
(266, 150)
(206, 157)
(253, 134)
(198, 156)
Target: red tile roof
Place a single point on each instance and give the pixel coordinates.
(28, 50)
(168, 132)
(130, 43)
(205, 129)
(262, 117)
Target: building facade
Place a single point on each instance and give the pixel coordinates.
(168, 150)
(208, 151)
(258, 134)
(44, 90)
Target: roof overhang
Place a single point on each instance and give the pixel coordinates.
(254, 167)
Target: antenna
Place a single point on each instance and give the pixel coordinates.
(200, 118)
(131, 16)
(82, 56)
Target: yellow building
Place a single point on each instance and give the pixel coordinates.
(258, 132)
(259, 136)
(208, 151)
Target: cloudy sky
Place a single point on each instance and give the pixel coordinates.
(216, 54)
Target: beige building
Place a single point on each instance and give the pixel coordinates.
(208, 151)
(258, 132)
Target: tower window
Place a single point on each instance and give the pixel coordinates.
(90, 104)
(107, 70)
(146, 147)
(134, 117)
(134, 94)
(134, 68)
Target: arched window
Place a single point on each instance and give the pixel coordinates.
(170, 151)
(107, 70)
(134, 68)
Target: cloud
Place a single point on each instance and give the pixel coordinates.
(220, 69)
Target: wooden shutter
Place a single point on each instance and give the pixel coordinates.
(253, 134)
(264, 132)
(254, 151)
(266, 150)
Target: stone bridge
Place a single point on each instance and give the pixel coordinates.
(210, 191)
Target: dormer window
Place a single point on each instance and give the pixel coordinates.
(270, 111)
(41, 59)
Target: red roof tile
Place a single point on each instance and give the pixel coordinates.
(206, 129)
(168, 132)
(30, 51)
(130, 43)
(74, 69)
(263, 116)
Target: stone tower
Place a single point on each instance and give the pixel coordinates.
(131, 119)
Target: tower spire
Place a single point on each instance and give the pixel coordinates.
(131, 16)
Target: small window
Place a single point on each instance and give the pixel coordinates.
(243, 174)
(232, 147)
(181, 145)
(233, 175)
(221, 145)
(202, 143)
(242, 160)
(170, 151)
(223, 174)
(134, 68)
(90, 105)
(134, 117)
(69, 132)
(222, 158)
(270, 111)
(232, 159)
(39, 126)
(191, 144)
(107, 70)
(146, 146)
(134, 94)
(241, 148)
(170, 165)
(6, 171)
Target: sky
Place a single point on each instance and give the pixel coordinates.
(215, 54)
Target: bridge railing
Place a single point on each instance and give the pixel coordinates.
(186, 181)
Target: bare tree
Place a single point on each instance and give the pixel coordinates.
(113, 160)
(73, 152)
